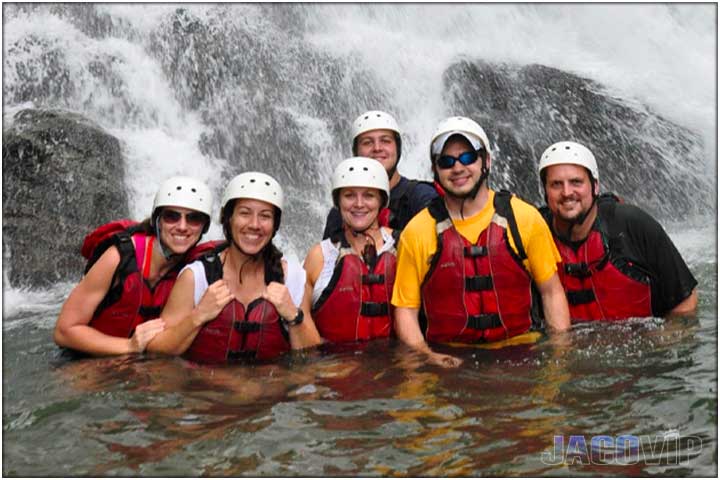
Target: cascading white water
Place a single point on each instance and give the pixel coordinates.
(660, 55)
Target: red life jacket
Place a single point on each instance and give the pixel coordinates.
(477, 293)
(238, 332)
(600, 281)
(355, 305)
(130, 301)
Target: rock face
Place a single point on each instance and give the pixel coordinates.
(62, 176)
(646, 159)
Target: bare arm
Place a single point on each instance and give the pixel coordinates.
(303, 335)
(183, 319)
(407, 328)
(555, 306)
(687, 306)
(306, 334)
(73, 329)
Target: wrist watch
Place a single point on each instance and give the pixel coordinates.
(295, 321)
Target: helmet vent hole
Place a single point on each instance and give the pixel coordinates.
(252, 180)
(267, 183)
(178, 187)
(365, 168)
(352, 169)
(193, 190)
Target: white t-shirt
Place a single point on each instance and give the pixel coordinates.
(294, 279)
(330, 254)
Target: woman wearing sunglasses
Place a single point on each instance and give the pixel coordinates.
(240, 302)
(114, 308)
(352, 272)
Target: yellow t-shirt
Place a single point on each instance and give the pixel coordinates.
(418, 243)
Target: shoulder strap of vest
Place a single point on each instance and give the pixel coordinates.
(213, 266)
(396, 236)
(546, 214)
(502, 206)
(437, 210)
(606, 204)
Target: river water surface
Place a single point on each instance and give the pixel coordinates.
(375, 412)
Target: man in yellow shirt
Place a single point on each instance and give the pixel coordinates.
(471, 257)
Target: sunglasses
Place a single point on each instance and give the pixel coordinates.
(194, 219)
(467, 158)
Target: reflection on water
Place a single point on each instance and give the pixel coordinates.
(374, 412)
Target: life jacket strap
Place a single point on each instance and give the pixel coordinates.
(149, 312)
(478, 283)
(241, 355)
(246, 327)
(373, 309)
(580, 270)
(476, 251)
(484, 321)
(580, 297)
(373, 279)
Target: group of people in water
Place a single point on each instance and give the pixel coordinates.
(448, 261)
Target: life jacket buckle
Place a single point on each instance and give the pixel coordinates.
(373, 309)
(373, 279)
(580, 297)
(484, 321)
(246, 327)
(475, 251)
(478, 283)
(580, 270)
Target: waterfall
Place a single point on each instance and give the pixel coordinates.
(213, 90)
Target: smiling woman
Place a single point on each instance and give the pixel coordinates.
(242, 300)
(352, 273)
(131, 272)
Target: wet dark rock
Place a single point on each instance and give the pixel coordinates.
(62, 176)
(646, 159)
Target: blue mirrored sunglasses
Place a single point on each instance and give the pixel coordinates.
(447, 161)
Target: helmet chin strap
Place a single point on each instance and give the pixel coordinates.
(580, 219)
(166, 252)
(369, 254)
(356, 233)
(484, 173)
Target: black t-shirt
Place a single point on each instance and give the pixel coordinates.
(407, 198)
(641, 239)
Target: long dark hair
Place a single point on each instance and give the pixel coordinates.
(270, 255)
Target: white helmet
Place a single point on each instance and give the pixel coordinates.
(569, 153)
(360, 172)
(255, 185)
(458, 125)
(374, 120)
(184, 192)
